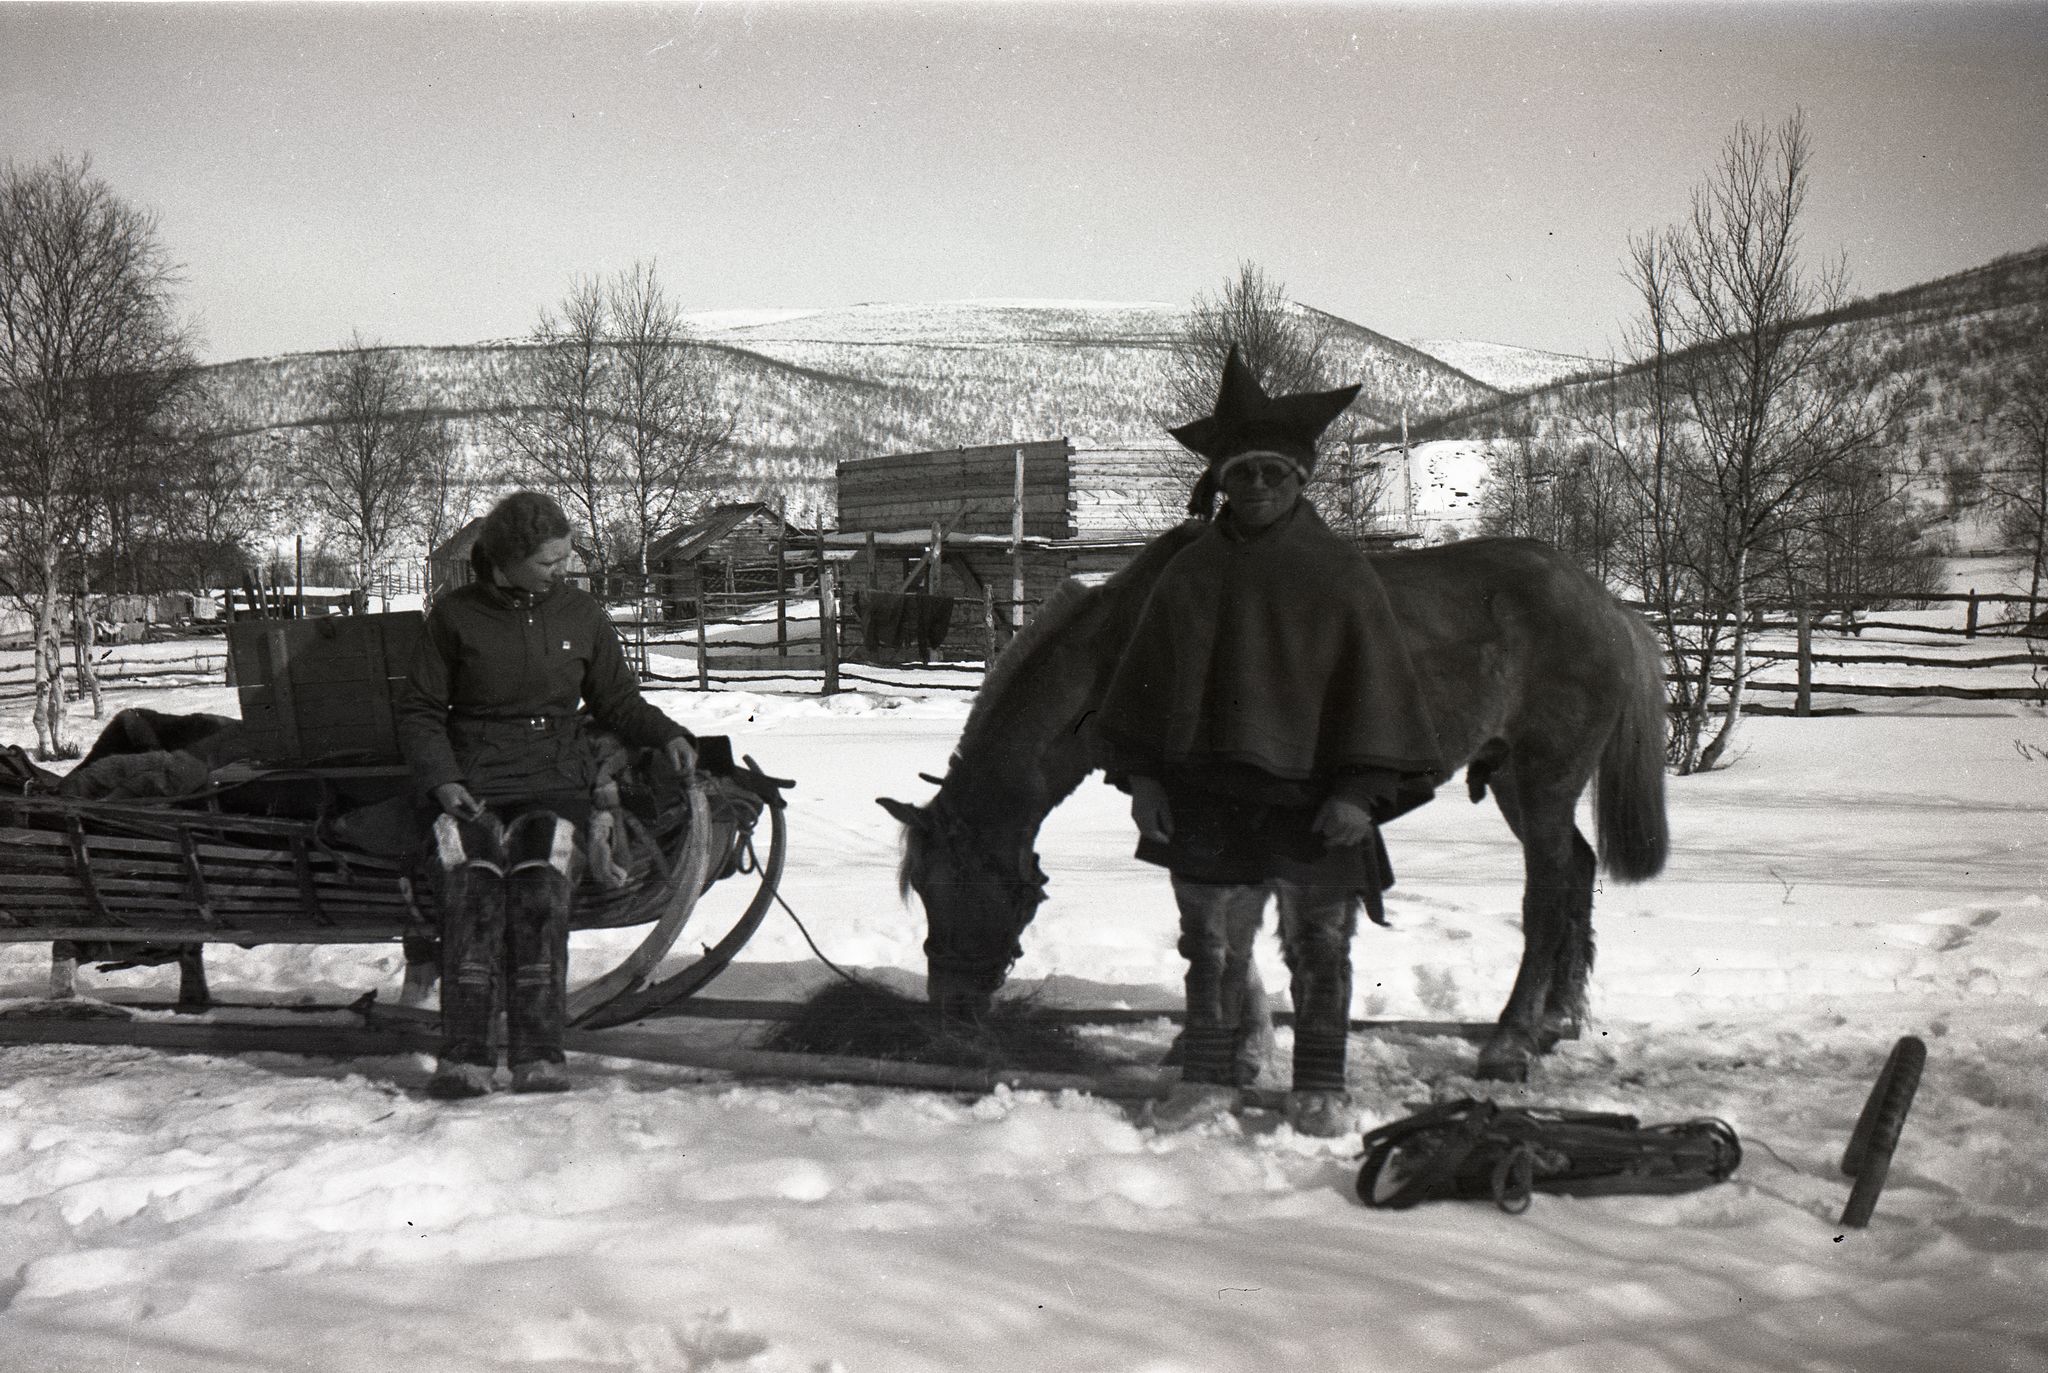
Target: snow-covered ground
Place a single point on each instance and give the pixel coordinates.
(1851, 879)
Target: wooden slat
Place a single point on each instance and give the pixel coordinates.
(302, 865)
(81, 857)
(169, 849)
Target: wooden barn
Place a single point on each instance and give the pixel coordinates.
(737, 549)
(992, 530)
(1069, 507)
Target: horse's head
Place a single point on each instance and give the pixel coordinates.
(980, 886)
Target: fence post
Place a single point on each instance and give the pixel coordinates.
(1970, 624)
(781, 596)
(988, 622)
(1803, 702)
(828, 625)
(703, 657)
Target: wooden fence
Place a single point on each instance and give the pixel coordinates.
(1941, 649)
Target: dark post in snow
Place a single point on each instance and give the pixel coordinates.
(781, 583)
(703, 662)
(1803, 703)
(828, 622)
(1016, 554)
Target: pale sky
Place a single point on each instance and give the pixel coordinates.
(431, 174)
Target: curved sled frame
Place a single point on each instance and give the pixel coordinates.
(688, 886)
(637, 1002)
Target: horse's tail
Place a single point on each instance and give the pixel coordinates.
(1629, 806)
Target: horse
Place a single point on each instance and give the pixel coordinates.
(1539, 682)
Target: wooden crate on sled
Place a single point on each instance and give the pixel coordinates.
(266, 851)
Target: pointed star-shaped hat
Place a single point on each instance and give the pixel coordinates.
(1248, 420)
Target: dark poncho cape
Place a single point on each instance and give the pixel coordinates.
(1265, 675)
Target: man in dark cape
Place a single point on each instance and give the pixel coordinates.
(1265, 719)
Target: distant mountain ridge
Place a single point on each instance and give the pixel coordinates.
(1952, 346)
(814, 387)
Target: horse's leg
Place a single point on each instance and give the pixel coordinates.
(63, 970)
(193, 994)
(1316, 928)
(1557, 901)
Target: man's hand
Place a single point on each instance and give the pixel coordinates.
(1149, 809)
(682, 754)
(454, 798)
(1343, 824)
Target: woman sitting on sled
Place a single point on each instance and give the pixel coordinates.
(490, 723)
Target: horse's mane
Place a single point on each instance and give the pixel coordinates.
(1069, 601)
(1060, 610)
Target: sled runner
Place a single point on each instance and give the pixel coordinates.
(1473, 1150)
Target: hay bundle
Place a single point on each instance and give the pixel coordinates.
(862, 1020)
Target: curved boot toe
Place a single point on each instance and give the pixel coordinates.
(1191, 1104)
(544, 1076)
(1322, 1114)
(458, 1081)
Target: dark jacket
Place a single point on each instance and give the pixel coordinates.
(1265, 675)
(493, 694)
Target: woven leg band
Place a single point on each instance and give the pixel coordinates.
(1207, 1054)
(1318, 1061)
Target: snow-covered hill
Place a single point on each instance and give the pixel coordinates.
(1503, 365)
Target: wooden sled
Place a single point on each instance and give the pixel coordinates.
(193, 870)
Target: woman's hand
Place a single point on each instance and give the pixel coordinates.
(682, 754)
(1149, 809)
(1343, 824)
(454, 798)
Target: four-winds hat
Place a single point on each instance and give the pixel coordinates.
(1247, 420)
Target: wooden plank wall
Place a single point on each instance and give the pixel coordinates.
(911, 490)
(1139, 490)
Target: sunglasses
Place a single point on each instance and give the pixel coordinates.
(1270, 473)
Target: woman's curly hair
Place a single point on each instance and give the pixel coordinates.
(518, 525)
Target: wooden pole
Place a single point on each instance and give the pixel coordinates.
(298, 576)
(828, 624)
(1970, 625)
(1016, 552)
(874, 566)
(781, 596)
(988, 622)
(703, 655)
(1803, 702)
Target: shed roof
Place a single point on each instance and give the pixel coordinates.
(691, 540)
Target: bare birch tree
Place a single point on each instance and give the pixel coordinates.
(1771, 386)
(90, 355)
(365, 466)
(1288, 349)
(618, 415)
(2018, 488)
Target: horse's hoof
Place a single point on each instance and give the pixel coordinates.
(1190, 1104)
(1322, 1114)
